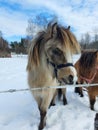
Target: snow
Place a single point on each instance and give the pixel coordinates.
(18, 111)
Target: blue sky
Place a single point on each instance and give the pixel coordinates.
(81, 15)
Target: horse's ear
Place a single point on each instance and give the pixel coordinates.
(49, 25)
(54, 29)
(68, 28)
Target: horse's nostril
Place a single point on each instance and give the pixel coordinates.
(70, 78)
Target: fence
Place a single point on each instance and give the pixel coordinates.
(48, 87)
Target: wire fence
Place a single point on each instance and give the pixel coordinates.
(48, 87)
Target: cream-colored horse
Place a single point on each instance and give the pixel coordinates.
(50, 62)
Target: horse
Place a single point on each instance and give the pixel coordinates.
(50, 62)
(87, 71)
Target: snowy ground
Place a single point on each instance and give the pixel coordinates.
(18, 111)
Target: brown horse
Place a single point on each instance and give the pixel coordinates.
(87, 69)
(50, 62)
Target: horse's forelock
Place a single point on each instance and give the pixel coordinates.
(63, 34)
(68, 39)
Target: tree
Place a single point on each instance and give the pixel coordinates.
(19, 47)
(4, 47)
(96, 38)
(1, 34)
(33, 28)
(82, 41)
(87, 39)
(37, 23)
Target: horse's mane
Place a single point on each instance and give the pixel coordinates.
(87, 59)
(57, 32)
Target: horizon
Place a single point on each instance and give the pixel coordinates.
(81, 15)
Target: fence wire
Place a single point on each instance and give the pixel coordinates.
(48, 87)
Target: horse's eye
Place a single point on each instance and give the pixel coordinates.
(57, 51)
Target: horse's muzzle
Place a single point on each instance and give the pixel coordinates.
(67, 80)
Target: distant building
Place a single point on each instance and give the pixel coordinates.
(4, 54)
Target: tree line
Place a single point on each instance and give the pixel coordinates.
(88, 42)
(20, 47)
(16, 47)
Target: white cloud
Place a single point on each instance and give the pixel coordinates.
(80, 14)
(12, 23)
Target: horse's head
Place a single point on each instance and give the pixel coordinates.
(55, 47)
(88, 65)
(59, 49)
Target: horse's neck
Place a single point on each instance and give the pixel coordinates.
(96, 78)
(86, 73)
(89, 76)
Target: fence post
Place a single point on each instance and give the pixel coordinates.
(96, 122)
